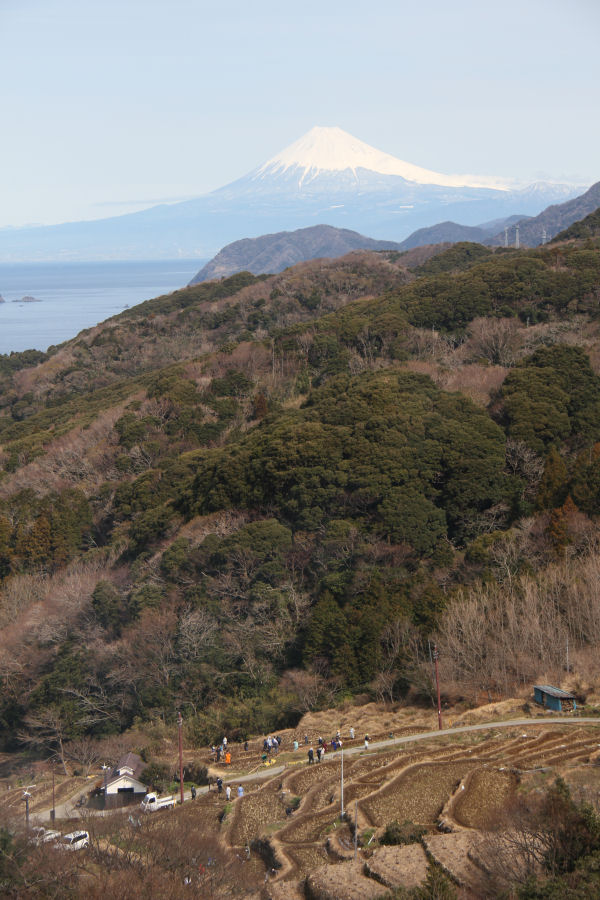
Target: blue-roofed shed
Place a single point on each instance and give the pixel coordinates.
(554, 698)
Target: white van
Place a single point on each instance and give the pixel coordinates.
(76, 840)
(44, 835)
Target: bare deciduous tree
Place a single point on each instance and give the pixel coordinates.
(47, 730)
(85, 751)
(497, 340)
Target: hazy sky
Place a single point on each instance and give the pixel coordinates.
(110, 104)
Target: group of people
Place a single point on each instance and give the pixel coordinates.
(335, 744)
(240, 789)
(271, 745)
(222, 751)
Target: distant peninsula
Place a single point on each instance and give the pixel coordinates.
(28, 299)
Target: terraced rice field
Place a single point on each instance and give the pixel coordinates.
(485, 795)
(308, 828)
(418, 794)
(399, 866)
(307, 858)
(414, 783)
(254, 813)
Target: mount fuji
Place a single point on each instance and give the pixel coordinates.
(326, 177)
(327, 152)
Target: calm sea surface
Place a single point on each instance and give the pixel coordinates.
(78, 295)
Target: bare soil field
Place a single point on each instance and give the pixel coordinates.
(347, 880)
(485, 795)
(254, 813)
(417, 795)
(399, 866)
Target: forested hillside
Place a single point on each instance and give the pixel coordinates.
(252, 496)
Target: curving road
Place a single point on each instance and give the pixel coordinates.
(68, 808)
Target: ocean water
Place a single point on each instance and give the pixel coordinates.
(78, 295)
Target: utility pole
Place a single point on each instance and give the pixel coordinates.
(567, 654)
(436, 656)
(105, 768)
(342, 791)
(179, 724)
(26, 796)
(355, 826)
(53, 810)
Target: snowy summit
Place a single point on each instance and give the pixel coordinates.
(325, 150)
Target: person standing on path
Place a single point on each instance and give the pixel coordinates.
(311, 755)
(240, 790)
(366, 741)
(228, 792)
(351, 733)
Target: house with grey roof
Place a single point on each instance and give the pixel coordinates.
(125, 777)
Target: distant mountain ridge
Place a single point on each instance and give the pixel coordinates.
(273, 253)
(582, 229)
(327, 176)
(533, 230)
(551, 220)
(452, 232)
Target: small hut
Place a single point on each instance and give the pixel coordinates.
(554, 698)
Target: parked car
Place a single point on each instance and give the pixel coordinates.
(76, 840)
(44, 835)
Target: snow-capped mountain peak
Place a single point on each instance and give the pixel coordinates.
(325, 150)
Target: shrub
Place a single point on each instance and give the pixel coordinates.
(156, 775)
(405, 833)
(195, 773)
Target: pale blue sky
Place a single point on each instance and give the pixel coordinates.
(106, 104)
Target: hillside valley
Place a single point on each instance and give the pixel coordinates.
(255, 498)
